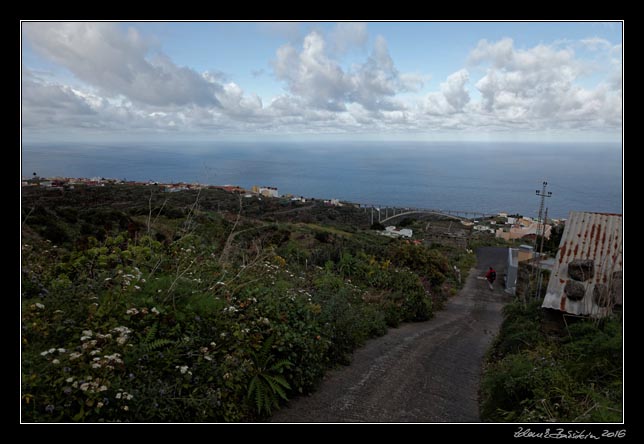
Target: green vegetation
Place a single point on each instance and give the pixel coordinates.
(565, 374)
(140, 305)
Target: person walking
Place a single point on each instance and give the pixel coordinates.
(491, 277)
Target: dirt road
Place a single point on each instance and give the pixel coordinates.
(421, 372)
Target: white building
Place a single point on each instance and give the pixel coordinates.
(269, 191)
(392, 232)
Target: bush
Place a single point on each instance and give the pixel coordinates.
(534, 377)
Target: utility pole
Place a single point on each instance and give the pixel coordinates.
(541, 227)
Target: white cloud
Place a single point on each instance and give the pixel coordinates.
(596, 43)
(320, 81)
(126, 87)
(348, 35)
(537, 87)
(117, 63)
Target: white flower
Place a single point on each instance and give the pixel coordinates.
(102, 388)
(45, 353)
(96, 365)
(208, 358)
(70, 379)
(55, 362)
(183, 369)
(39, 305)
(136, 287)
(87, 332)
(51, 350)
(74, 355)
(154, 310)
(62, 350)
(84, 386)
(118, 395)
(132, 311)
(99, 405)
(126, 408)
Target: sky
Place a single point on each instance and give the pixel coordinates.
(254, 81)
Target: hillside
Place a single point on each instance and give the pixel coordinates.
(142, 305)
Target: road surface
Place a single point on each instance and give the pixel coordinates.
(421, 372)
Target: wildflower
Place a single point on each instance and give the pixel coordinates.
(99, 404)
(183, 369)
(118, 395)
(136, 287)
(49, 408)
(208, 358)
(74, 355)
(39, 305)
(155, 311)
(45, 353)
(62, 350)
(70, 379)
(87, 333)
(132, 311)
(96, 365)
(51, 350)
(102, 388)
(84, 386)
(55, 362)
(203, 349)
(126, 408)
(212, 344)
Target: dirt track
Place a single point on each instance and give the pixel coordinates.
(421, 372)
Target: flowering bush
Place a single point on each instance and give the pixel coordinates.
(203, 325)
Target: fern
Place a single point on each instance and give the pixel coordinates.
(149, 344)
(151, 333)
(155, 345)
(267, 383)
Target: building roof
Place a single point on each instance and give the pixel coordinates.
(591, 242)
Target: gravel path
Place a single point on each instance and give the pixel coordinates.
(421, 372)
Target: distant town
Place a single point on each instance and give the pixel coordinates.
(502, 225)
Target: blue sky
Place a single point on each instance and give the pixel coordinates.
(523, 81)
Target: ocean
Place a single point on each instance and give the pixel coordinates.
(465, 176)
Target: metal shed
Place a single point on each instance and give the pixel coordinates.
(586, 278)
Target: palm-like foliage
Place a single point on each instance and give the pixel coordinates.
(267, 383)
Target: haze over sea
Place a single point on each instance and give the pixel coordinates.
(469, 176)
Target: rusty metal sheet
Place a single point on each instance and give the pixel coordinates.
(595, 237)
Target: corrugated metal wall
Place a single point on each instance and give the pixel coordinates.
(586, 288)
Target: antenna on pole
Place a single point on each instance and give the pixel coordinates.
(541, 228)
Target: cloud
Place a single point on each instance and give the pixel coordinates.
(538, 87)
(349, 35)
(312, 75)
(117, 63)
(125, 86)
(596, 43)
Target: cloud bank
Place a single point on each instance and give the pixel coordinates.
(127, 84)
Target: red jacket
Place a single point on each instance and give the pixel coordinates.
(489, 276)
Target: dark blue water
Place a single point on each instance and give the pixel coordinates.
(460, 176)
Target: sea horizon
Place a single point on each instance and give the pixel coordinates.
(466, 176)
